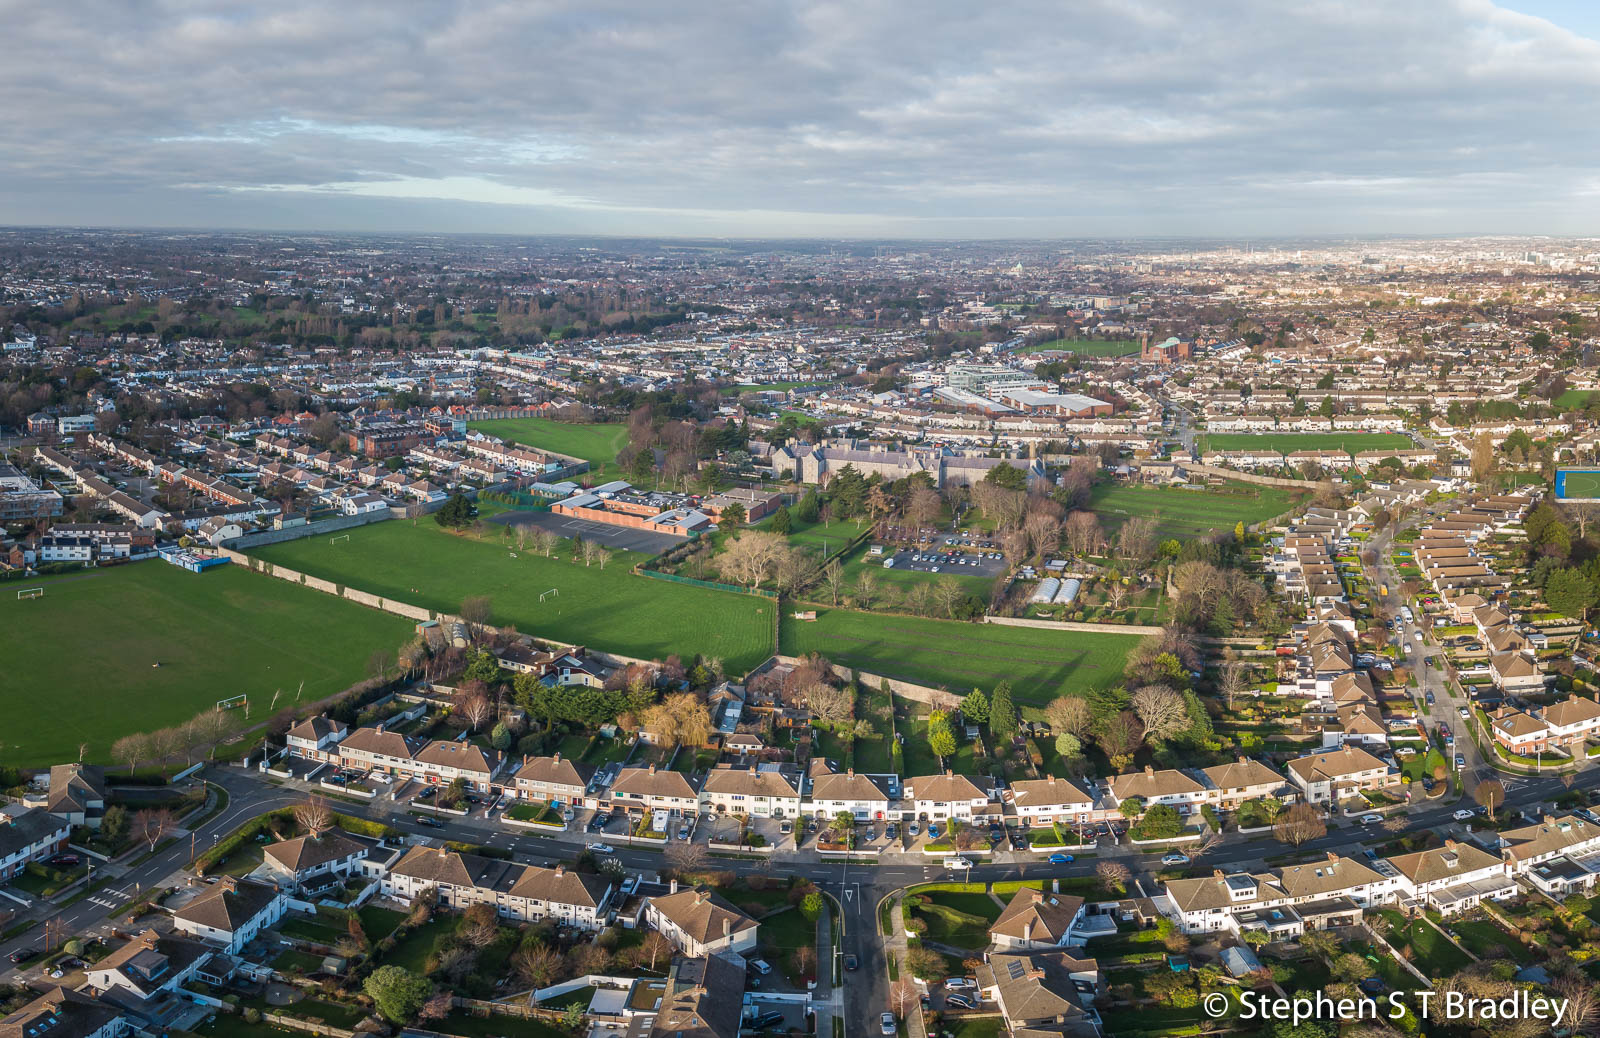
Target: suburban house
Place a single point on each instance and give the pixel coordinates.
(376, 747)
(938, 797)
(1572, 722)
(1169, 786)
(1332, 775)
(1283, 902)
(1454, 878)
(147, 971)
(1559, 855)
(77, 794)
(1036, 919)
(655, 790)
(1520, 733)
(316, 738)
(1229, 785)
(1515, 672)
(700, 922)
(312, 861)
(61, 1013)
(835, 791)
(553, 779)
(27, 835)
(527, 893)
(703, 998)
(1050, 800)
(445, 761)
(767, 790)
(231, 913)
(1044, 992)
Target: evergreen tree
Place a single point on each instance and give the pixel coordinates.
(810, 507)
(782, 521)
(1002, 713)
(975, 706)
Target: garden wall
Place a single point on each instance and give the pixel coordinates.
(1067, 625)
(295, 533)
(1251, 477)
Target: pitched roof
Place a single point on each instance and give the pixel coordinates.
(304, 852)
(1150, 783)
(463, 756)
(228, 906)
(1447, 862)
(827, 784)
(704, 998)
(376, 740)
(653, 782)
(1549, 836)
(1241, 774)
(752, 781)
(557, 770)
(946, 788)
(1037, 915)
(74, 786)
(1573, 710)
(700, 914)
(1038, 985)
(60, 1013)
(1050, 791)
(1333, 764)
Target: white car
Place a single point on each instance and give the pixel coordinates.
(1370, 819)
(1466, 714)
(886, 1024)
(1462, 815)
(1175, 858)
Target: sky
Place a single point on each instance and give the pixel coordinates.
(864, 119)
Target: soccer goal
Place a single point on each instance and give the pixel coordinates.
(30, 592)
(231, 703)
(556, 592)
(336, 538)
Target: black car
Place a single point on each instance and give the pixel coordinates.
(850, 962)
(22, 955)
(766, 1020)
(429, 793)
(432, 823)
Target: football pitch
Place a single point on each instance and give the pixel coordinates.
(1578, 484)
(1040, 664)
(1287, 443)
(81, 663)
(1088, 347)
(596, 443)
(611, 609)
(1184, 513)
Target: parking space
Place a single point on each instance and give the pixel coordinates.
(785, 1017)
(972, 562)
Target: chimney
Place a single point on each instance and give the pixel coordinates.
(558, 757)
(727, 926)
(1055, 885)
(851, 772)
(652, 769)
(1333, 856)
(672, 888)
(1449, 844)
(1243, 759)
(1217, 873)
(561, 870)
(1027, 930)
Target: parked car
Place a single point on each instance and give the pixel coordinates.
(786, 828)
(65, 860)
(1061, 859)
(766, 1020)
(960, 983)
(1174, 858)
(760, 966)
(683, 831)
(915, 829)
(22, 955)
(600, 848)
(892, 832)
(886, 1024)
(1428, 698)
(429, 793)
(1463, 815)
(1370, 819)
(1461, 761)
(933, 831)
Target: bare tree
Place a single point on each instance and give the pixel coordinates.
(686, 857)
(1114, 875)
(1161, 710)
(475, 610)
(1490, 794)
(1582, 514)
(833, 579)
(830, 704)
(315, 817)
(1299, 824)
(602, 556)
(538, 966)
(866, 583)
(1069, 714)
(1137, 538)
(151, 824)
(1082, 532)
(902, 994)
(656, 946)
(948, 594)
(476, 709)
(1233, 680)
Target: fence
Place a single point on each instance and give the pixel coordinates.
(295, 533)
(295, 1023)
(1067, 625)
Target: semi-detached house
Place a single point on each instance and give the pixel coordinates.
(1283, 902)
(699, 922)
(835, 791)
(554, 779)
(27, 835)
(1170, 787)
(939, 797)
(652, 789)
(1453, 878)
(1050, 801)
(526, 893)
(1558, 855)
(764, 790)
(1332, 775)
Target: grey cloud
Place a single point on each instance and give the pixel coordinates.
(1127, 117)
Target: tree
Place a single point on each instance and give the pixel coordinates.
(656, 945)
(114, 824)
(1007, 477)
(538, 966)
(132, 749)
(686, 857)
(1490, 794)
(151, 824)
(833, 579)
(830, 704)
(732, 518)
(456, 513)
(925, 963)
(941, 739)
(500, 737)
(1082, 533)
(1570, 593)
(1114, 875)
(475, 610)
(1121, 733)
(1300, 824)
(782, 521)
(1137, 538)
(811, 905)
(975, 706)
(1068, 746)
(1162, 711)
(1069, 714)
(1003, 723)
(805, 961)
(315, 817)
(396, 992)
(475, 709)
(1233, 679)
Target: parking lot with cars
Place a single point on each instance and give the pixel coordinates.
(961, 557)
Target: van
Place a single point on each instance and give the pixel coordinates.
(955, 863)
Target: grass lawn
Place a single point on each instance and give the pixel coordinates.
(290, 959)
(782, 935)
(1573, 400)
(961, 920)
(379, 922)
(1041, 664)
(609, 609)
(95, 636)
(412, 950)
(818, 537)
(978, 1027)
(1351, 442)
(753, 387)
(596, 443)
(469, 1026)
(1432, 952)
(1482, 936)
(1186, 514)
(1087, 347)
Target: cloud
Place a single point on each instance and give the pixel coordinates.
(1093, 117)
